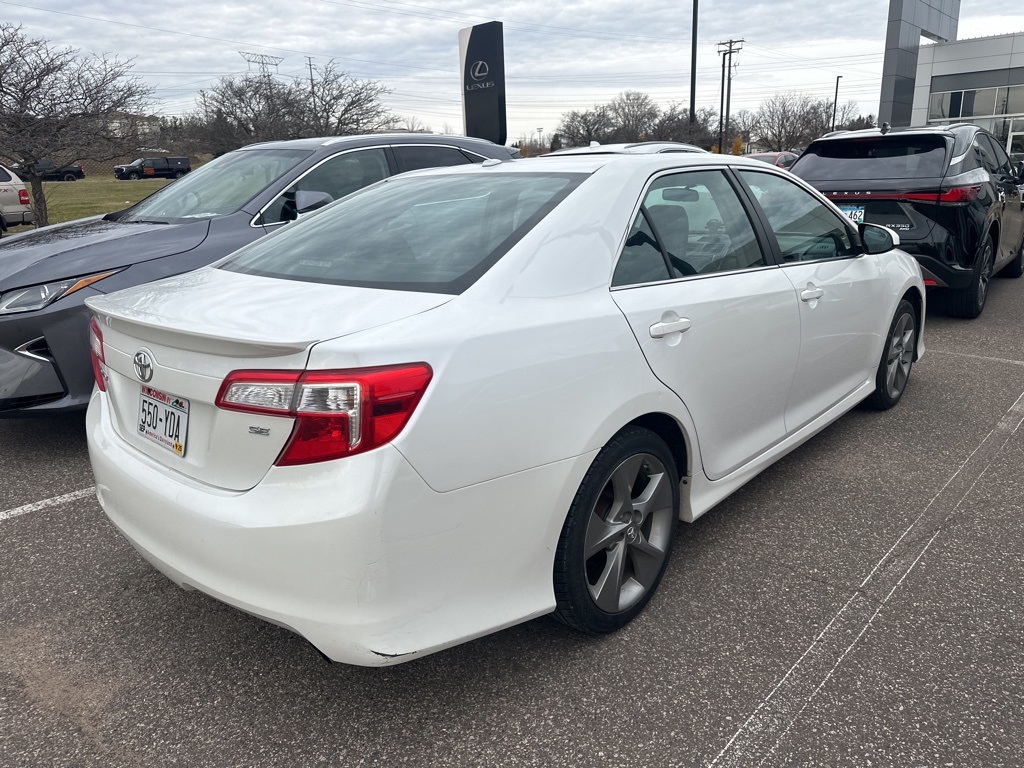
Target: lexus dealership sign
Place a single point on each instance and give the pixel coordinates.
(482, 55)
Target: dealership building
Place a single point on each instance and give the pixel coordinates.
(978, 81)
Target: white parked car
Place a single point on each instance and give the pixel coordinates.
(466, 397)
(15, 207)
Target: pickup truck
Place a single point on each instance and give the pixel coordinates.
(154, 168)
(50, 171)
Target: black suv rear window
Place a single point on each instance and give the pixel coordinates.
(436, 234)
(882, 157)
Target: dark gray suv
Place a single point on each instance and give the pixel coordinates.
(46, 275)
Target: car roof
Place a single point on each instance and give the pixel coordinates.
(590, 163)
(917, 130)
(371, 138)
(633, 148)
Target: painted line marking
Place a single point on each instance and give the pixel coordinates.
(35, 506)
(761, 734)
(977, 357)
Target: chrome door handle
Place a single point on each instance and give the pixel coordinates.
(810, 294)
(658, 330)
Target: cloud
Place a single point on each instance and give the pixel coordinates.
(559, 56)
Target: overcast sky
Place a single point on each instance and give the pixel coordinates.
(561, 55)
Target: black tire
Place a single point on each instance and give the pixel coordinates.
(628, 545)
(178, 174)
(970, 302)
(1016, 267)
(69, 177)
(897, 359)
(134, 176)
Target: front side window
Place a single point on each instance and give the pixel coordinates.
(218, 188)
(338, 176)
(435, 234)
(805, 228)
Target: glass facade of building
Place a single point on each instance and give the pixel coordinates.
(999, 110)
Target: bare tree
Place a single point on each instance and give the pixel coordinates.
(578, 129)
(634, 115)
(341, 104)
(259, 106)
(674, 125)
(56, 103)
(255, 107)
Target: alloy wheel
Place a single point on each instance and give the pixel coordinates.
(901, 355)
(985, 275)
(628, 534)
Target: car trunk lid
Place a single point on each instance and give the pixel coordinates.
(168, 347)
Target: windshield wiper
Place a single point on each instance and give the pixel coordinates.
(143, 221)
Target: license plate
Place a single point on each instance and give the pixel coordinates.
(163, 418)
(854, 212)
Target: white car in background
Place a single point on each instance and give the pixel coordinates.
(463, 398)
(15, 206)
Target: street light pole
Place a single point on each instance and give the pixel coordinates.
(693, 68)
(835, 102)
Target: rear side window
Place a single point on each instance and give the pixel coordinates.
(5, 176)
(436, 234)
(883, 157)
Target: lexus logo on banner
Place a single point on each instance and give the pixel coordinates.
(482, 54)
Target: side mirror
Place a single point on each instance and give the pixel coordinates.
(877, 239)
(308, 200)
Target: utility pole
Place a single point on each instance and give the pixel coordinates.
(312, 93)
(835, 102)
(693, 68)
(726, 50)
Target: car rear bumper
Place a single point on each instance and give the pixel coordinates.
(359, 556)
(939, 273)
(14, 218)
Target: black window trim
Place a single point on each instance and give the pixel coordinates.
(392, 169)
(770, 256)
(770, 233)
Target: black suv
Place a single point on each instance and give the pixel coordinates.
(50, 171)
(154, 168)
(950, 192)
(46, 274)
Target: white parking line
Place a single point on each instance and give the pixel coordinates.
(51, 502)
(758, 738)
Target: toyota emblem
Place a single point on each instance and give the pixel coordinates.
(479, 70)
(143, 362)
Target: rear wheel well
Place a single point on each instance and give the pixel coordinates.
(668, 429)
(914, 297)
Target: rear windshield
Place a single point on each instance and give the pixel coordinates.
(437, 234)
(895, 157)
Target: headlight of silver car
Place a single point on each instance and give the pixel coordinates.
(38, 296)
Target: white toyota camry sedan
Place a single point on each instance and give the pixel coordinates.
(466, 397)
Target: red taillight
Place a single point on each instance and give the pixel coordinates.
(959, 195)
(930, 282)
(23, 196)
(96, 352)
(952, 196)
(337, 413)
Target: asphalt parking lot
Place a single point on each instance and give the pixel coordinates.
(861, 603)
